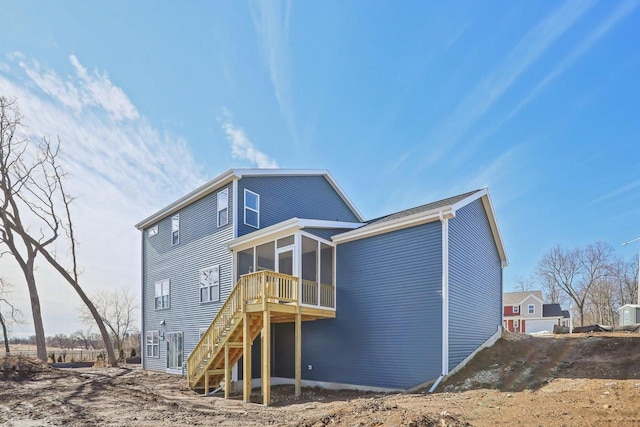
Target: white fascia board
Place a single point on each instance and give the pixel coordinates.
(285, 228)
(302, 172)
(191, 197)
(289, 226)
(488, 207)
(320, 223)
(395, 224)
(529, 296)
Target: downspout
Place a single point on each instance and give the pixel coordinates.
(143, 348)
(445, 301)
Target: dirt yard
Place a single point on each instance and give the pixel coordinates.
(588, 379)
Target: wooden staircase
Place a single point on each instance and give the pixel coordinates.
(237, 325)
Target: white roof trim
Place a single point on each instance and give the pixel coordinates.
(488, 207)
(301, 172)
(429, 216)
(394, 224)
(233, 174)
(198, 193)
(529, 296)
(286, 227)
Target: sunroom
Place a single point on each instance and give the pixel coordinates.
(294, 250)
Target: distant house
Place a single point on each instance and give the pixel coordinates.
(527, 312)
(274, 274)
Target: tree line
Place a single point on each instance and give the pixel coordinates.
(592, 278)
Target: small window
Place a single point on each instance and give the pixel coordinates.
(516, 309)
(515, 323)
(532, 308)
(175, 229)
(251, 208)
(223, 207)
(153, 231)
(162, 294)
(210, 284)
(153, 343)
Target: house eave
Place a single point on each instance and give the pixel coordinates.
(285, 228)
(198, 193)
(393, 225)
(234, 174)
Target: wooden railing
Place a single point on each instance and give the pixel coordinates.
(327, 296)
(251, 288)
(310, 294)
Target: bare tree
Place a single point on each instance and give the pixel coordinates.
(118, 310)
(524, 284)
(625, 276)
(14, 316)
(576, 271)
(31, 182)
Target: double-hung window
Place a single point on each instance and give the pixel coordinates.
(223, 207)
(175, 229)
(251, 208)
(531, 308)
(210, 284)
(162, 294)
(516, 308)
(153, 343)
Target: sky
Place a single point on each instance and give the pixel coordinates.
(404, 103)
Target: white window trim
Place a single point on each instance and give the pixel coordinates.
(531, 308)
(152, 345)
(209, 285)
(177, 230)
(162, 283)
(153, 231)
(226, 206)
(251, 209)
(515, 323)
(516, 309)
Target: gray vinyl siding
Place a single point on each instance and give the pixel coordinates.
(475, 282)
(388, 326)
(286, 197)
(201, 245)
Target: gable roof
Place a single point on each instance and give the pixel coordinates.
(233, 174)
(551, 310)
(517, 298)
(438, 210)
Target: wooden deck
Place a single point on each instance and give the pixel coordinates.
(258, 300)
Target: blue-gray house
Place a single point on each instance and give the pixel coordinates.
(336, 300)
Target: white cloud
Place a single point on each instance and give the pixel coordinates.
(120, 170)
(87, 90)
(242, 148)
(271, 20)
(494, 85)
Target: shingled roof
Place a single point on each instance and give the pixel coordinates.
(422, 208)
(551, 310)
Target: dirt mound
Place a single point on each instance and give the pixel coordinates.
(378, 411)
(19, 368)
(522, 362)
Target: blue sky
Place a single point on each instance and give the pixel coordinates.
(404, 105)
